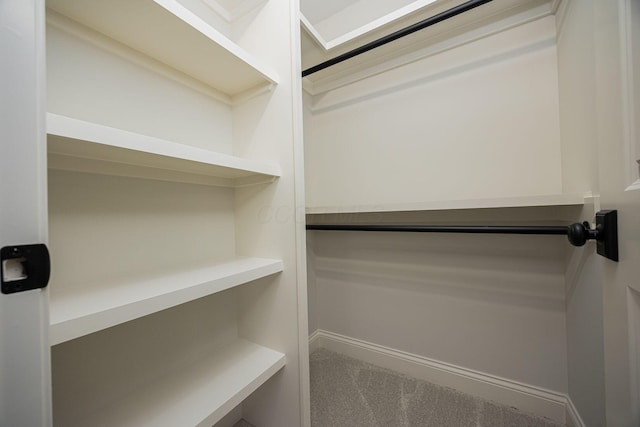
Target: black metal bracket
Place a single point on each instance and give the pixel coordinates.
(605, 233)
(23, 268)
(607, 238)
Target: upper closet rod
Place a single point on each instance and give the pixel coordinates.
(605, 233)
(443, 16)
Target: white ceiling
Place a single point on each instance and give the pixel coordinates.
(319, 10)
(335, 22)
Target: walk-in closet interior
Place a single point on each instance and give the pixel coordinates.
(489, 118)
(221, 206)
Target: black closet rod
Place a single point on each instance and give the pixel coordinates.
(443, 16)
(473, 229)
(605, 232)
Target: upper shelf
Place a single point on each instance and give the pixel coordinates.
(442, 205)
(170, 33)
(89, 147)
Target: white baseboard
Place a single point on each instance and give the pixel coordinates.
(527, 398)
(573, 417)
(314, 341)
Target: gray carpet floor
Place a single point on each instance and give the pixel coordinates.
(346, 392)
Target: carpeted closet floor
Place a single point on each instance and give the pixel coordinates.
(346, 392)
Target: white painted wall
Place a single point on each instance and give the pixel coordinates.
(102, 367)
(477, 121)
(577, 79)
(125, 234)
(95, 79)
(486, 303)
(585, 354)
(584, 281)
(467, 301)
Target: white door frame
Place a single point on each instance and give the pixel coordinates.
(25, 384)
(618, 152)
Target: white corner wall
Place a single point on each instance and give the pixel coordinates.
(585, 339)
(577, 95)
(477, 121)
(584, 311)
(511, 114)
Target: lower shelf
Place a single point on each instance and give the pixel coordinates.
(197, 395)
(79, 312)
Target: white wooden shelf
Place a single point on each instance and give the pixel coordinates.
(81, 311)
(170, 33)
(89, 147)
(197, 395)
(440, 205)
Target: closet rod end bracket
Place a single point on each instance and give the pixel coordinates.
(607, 234)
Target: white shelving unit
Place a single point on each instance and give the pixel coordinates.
(78, 313)
(196, 395)
(175, 36)
(168, 142)
(90, 147)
